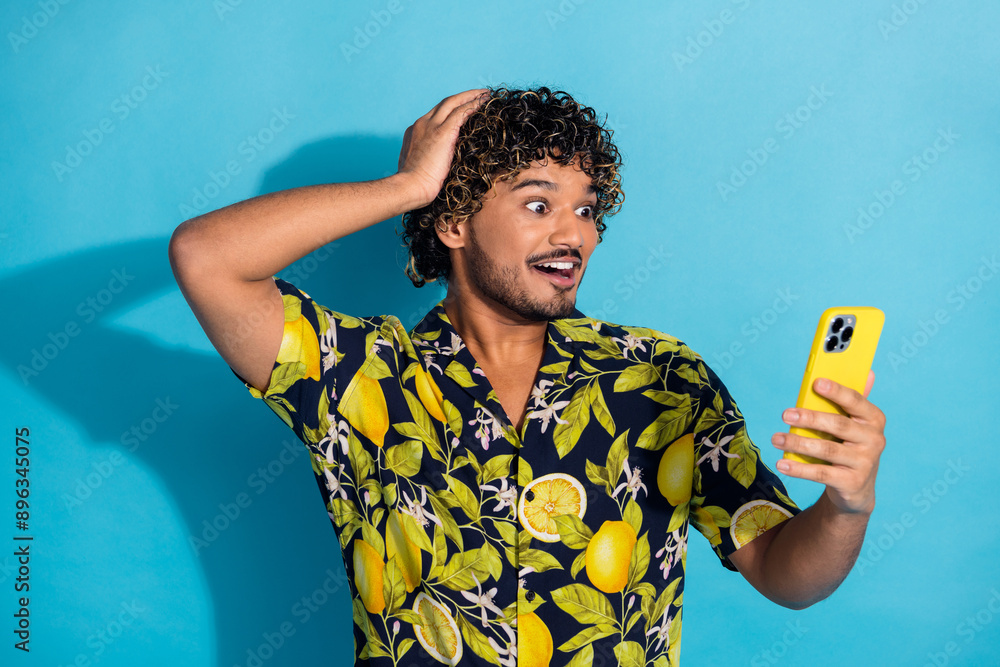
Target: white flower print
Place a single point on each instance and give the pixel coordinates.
(507, 497)
(508, 656)
(418, 510)
(484, 600)
(715, 450)
(633, 482)
(662, 631)
(548, 412)
(489, 428)
(631, 342)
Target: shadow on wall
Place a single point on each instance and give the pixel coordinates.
(282, 546)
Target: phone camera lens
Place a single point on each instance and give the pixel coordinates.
(846, 335)
(837, 324)
(831, 343)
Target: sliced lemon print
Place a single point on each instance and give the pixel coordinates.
(609, 554)
(438, 631)
(398, 545)
(547, 497)
(429, 394)
(368, 568)
(676, 470)
(755, 518)
(534, 641)
(299, 343)
(366, 409)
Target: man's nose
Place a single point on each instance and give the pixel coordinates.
(568, 230)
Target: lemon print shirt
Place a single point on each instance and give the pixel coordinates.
(467, 542)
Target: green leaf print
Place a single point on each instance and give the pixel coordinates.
(460, 374)
(539, 560)
(453, 416)
(636, 376)
(573, 532)
(285, 375)
(585, 604)
(630, 654)
(744, 468)
(599, 475)
(639, 563)
(617, 455)
(457, 574)
(467, 500)
(667, 427)
(577, 416)
(476, 640)
(393, 586)
(404, 459)
(633, 515)
(583, 658)
(588, 635)
(600, 407)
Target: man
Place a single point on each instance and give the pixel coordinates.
(512, 482)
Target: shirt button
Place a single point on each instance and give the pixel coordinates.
(529, 595)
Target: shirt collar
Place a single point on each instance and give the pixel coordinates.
(436, 339)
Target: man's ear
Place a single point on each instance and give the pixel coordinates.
(451, 234)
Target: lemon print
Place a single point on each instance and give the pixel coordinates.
(299, 343)
(399, 546)
(429, 394)
(366, 410)
(437, 632)
(368, 568)
(547, 497)
(609, 554)
(673, 477)
(704, 520)
(534, 641)
(754, 519)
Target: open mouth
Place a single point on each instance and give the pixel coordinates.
(561, 273)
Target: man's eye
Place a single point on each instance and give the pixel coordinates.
(534, 206)
(589, 211)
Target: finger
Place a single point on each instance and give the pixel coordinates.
(833, 452)
(869, 383)
(817, 472)
(449, 104)
(851, 401)
(836, 425)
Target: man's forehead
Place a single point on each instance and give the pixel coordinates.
(538, 174)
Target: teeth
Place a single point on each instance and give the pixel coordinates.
(558, 265)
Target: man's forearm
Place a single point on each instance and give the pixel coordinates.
(256, 238)
(812, 554)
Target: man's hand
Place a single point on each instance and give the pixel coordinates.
(850, 477)
(429, 144)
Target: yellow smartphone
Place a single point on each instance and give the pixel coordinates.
(842, 350)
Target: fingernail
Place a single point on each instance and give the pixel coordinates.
(791, 416)
(823, 384)
(784, 466)
(779, 439)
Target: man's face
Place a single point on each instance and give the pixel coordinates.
(527, 249)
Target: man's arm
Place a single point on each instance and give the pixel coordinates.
(804, 559)
(224, 260)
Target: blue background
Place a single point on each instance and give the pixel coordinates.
(840, 99)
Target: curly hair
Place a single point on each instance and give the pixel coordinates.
(498, 141)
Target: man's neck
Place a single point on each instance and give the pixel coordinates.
(496, 337)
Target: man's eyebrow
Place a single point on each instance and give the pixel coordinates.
(535, 182)
(545, 185)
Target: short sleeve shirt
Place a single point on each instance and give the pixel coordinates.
(469, 542)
